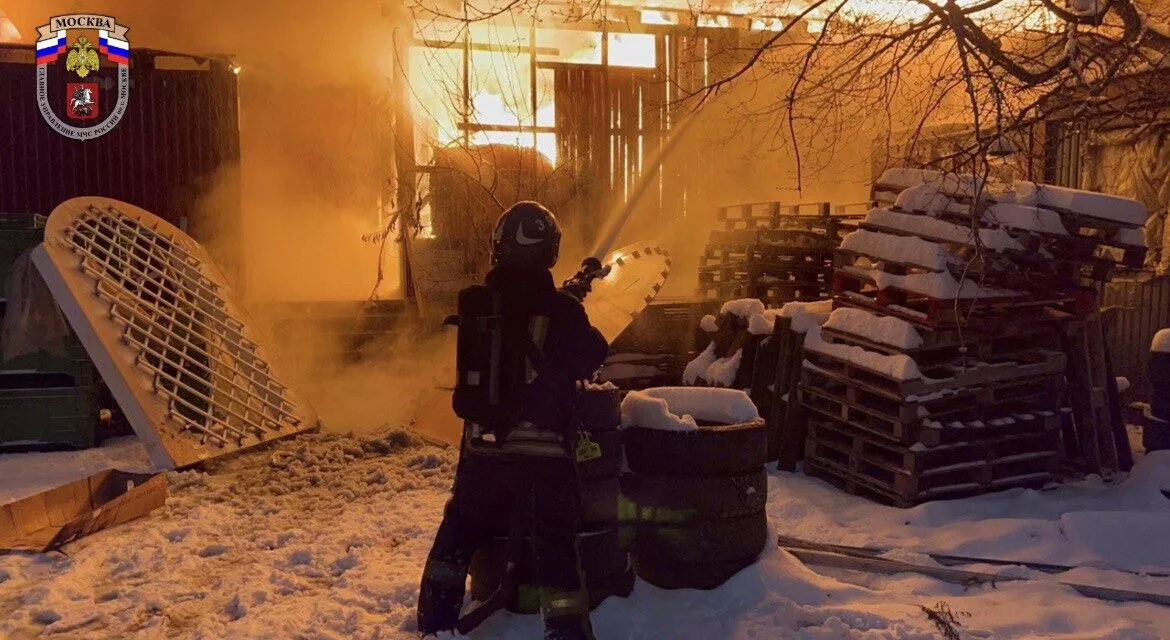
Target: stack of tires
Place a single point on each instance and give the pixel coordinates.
(694, 502)
(605, 563)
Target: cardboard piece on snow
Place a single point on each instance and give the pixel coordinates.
(63, 514)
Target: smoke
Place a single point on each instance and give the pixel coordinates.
(401, 378)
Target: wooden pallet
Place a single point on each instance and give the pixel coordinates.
(902, 420)
(1101, 443)
(985, 342)
(757, 254)
(771, 294)
(862, 467)
(952, 375)
(797, 274)
(843, 258)
(914, 460)
(773, 213)
(850, 290)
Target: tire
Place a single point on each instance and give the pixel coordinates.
(722, 450)
(704, 541)
(610, 463)
(664, 499)
(600, 410)
(680, 575)
(599, 501)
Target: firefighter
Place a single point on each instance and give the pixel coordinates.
(517, 454)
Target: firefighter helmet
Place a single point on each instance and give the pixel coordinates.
(526, 235)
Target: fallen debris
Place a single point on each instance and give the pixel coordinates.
(61, 515)
(180, 356)
(844, 557)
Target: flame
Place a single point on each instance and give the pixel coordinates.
(492, 109)
(632, 50)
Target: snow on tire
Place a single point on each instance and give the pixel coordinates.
(665, 499)
(721, 450)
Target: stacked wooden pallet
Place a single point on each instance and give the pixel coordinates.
(883, 424)
(942, 370)
(771, 252)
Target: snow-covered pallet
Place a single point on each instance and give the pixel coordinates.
(857, 289)
(905, 420)
(1071, 225)
(766, 256)
(774, 215)
(771, 252)
(781, 270)
(773, 294)
(907, 476)
(944, 376)
(989, 340)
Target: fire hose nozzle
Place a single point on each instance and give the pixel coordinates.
(582, 282)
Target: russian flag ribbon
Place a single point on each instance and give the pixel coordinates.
(113, 48)
(49, 49)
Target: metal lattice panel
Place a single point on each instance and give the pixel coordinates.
(155, 314)
(637, 274)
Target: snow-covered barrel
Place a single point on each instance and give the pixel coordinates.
(693, 504)
(1156, 431)
(605, 563)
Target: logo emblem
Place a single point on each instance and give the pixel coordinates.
(82, 100)
(523, 239)
(83, 89)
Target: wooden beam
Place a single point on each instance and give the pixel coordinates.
(480, 46)
(961, 576)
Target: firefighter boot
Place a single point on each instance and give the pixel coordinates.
(440, 597)
(570, 627)
(566, 615)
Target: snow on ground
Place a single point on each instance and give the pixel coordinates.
(25, 474)
(325, 536)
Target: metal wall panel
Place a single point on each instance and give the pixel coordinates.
(180, 128)
(1145, 310)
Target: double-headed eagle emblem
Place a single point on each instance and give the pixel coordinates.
(82, 58)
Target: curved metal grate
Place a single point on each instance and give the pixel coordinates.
(175, 326)
(638, 273)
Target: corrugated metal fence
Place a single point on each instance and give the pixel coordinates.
(180, 128)
(1145, 308)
